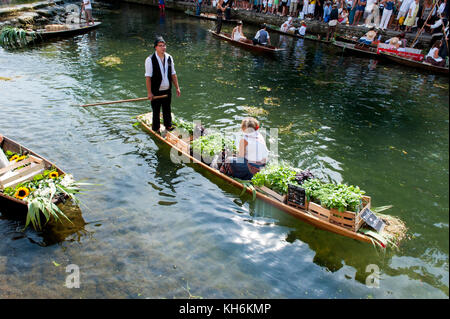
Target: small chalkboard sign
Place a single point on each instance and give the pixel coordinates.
(372, 220)
(296, 196)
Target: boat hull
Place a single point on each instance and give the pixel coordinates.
(16, 207)
(46, 35)
(247, 44)
(415, 64)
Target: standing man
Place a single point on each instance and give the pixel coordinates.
(87, 6)
(159, 75)
(220, 11)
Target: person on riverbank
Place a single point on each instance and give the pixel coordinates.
(198, 7)
(262, 36)
(220, 11)
(334, 16)
(387, 13)
(87, 7)
(253, 154)
(402, 12)
(360, 8)
(162, 6)
(237, 34)
(160, 74)
(410, 19)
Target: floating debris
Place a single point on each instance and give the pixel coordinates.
(110, 61)
(255, 111)
(441, 86)
(265, 88)
(272, 101)
(2, 78)
(225, 82)
(286, 129)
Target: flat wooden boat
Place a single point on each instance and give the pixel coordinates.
(248, 44)
(171, 139)
(415, 64)
(73, 29)
(211, 16)
(298, 36)
(11, 205)
(353, 49)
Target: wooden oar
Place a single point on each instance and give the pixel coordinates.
(123, 101)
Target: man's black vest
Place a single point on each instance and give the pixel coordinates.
(157, 75)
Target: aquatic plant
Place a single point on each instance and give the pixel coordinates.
(12, 37)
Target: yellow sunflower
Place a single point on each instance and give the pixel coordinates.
(21, 158)
(53, 175)
(22, 192)
(14, 158)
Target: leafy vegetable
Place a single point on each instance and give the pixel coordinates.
(338, 196)
(276, 177)
(213, 144)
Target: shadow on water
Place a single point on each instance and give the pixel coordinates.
(54, 231)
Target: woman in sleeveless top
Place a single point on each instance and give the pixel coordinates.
(237, 34)
(253, 153)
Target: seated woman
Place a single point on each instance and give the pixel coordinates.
(237, 34)
(368, 38)
(286, 25)
(253, 153)
(433, 56)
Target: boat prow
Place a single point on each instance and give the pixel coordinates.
(246, 43)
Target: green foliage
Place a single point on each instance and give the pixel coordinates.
(213, 144)
(338, 196)
(179, 123)
(275, 177)
(11, 37)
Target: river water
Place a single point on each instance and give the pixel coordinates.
(156, 229)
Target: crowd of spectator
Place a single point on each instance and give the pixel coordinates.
(405, 15)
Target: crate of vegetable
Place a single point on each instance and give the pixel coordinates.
(208, 146)
(340, 204)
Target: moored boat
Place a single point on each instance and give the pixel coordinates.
(416, 64)
(315, 214)
(210, 16)
(248, 44)
(298, 36)
(30, 183)
(68, 31)
(358, 50)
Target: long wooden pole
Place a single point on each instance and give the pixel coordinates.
(123, 101)
(421, 29)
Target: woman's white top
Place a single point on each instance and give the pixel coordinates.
(237, 35)
(302, 30)
(256, 150)
(431, 55)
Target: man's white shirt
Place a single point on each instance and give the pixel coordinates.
(149, 69)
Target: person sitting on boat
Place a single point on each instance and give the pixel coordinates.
(253, 153)
(394, 43)
(368, 38)
(302, 29)
(88, 11)
(287, 25)
(262, 36)
(237, 34)
(433, 56)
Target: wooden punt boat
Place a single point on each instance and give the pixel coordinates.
(171, 139)
(73, 29)
(210, 16)
(298, 36)
(415, 64)
(11, 205)
(351, 48)
(248, 44)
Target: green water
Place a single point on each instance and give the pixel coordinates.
(155, 227)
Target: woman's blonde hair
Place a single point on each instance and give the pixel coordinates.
(249, 122)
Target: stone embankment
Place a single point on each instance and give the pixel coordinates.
(314, 27)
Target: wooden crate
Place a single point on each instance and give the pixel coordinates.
(271, 193)
(349, 220)
(292, 198)
(31, 166)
